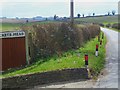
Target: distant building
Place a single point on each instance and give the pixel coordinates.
(50, 18)
(24, 18)
(39, 18)
(4, 17)
(17, 18)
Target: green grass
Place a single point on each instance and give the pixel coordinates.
(70, 59)
(10, 26)
(17, 26)
(103, 19)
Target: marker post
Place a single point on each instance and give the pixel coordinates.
(98, 38)
(96, 53)
(100, 43)
(102, 35)
(86, 60)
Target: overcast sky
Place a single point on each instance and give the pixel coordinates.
(46, 8)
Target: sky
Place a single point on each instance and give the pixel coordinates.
(48, 8)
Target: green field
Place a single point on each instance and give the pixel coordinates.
(70, 59)
(105, 20)
(102, 19)
(17, 26)
(10, 26)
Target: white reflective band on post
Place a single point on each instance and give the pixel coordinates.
(12, 34)
(96, 53)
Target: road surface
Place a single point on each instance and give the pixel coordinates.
(108, 77)
(111, 79)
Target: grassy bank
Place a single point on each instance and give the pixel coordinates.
(70, 59)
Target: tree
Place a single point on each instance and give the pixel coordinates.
(78, 15)
(108, 13)
(55, 17)
(83, 15)
(27, 21)
(93, 14)
(113, 12)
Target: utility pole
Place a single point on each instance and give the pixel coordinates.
(72, 12)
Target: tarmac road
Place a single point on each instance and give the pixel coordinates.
(110, 80)
(108, 77)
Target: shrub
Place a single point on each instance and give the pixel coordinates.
(102, 25)
(116, 26)
(55, 38)
(108, 25)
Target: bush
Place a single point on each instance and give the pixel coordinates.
(102, 25)
(55, 38)
(108, 25)
(116, 26)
